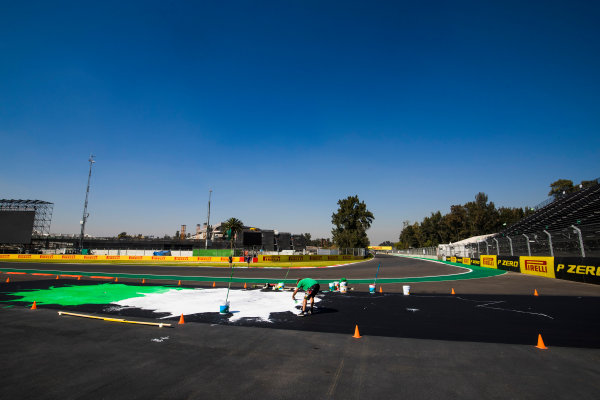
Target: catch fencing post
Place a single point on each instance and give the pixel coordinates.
(497, 246)
(580, 239)
(550, 242)
(528, 247)
(487, 247)
(511, 248)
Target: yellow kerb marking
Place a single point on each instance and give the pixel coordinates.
(124, 321)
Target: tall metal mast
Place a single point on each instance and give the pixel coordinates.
(208, 220)
(85, 213)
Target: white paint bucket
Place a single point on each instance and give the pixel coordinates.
(280, 285)
(337, 285)
(331, 287)
(406, 290)
(371, 288)
(343, 287)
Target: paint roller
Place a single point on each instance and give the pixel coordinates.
(377, 273)
(229, 286)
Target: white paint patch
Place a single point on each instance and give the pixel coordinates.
(243, 303)
(160, 339)
(412, 309)
(112, 309)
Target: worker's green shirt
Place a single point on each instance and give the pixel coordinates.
(306, 283)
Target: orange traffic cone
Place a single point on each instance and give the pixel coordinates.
(56, 276)
(541, 344)
(34, 307)
(7, 280)
(181, 321)
(79, 278)
(380, 289)
(116, 279)
(143, 280)
(214, 284)
(178, 283)
(245, 286)
(535, 293)
(453, 292)
(356, 334)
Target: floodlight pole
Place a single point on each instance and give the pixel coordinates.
(208, 220)
(85, 213)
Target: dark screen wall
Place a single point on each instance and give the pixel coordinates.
(16, 227)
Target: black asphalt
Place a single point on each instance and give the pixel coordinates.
(476, 344)
(391, 267)
(563, 321)
(46, 356)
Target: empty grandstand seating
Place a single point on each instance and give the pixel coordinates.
(579, 208)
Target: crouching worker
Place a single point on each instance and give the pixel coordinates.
(311, 288)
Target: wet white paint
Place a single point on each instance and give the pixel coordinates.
(160, 339)
(243, 303)
(412, 309)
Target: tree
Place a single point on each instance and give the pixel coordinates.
(351, 221)
(386, 243)
(585, 184)
(306, 237)
(231, 228)
(562, 185)
(122, 235)
(409, 237)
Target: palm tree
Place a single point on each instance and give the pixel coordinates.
(232, 227)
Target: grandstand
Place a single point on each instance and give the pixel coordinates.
(567, 226)
(579, 208)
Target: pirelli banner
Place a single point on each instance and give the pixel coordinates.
(539, 266)
(301, 258)
(80, 257)
(508, 263)
(578, 269)
(488, 261)
(570, 268)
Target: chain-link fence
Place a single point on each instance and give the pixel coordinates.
(423, 251)
(574, 241)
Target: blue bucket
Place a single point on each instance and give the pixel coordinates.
(224, 309)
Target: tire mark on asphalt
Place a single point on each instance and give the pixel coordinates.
(336, 379)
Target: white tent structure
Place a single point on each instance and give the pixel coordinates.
(459, 248)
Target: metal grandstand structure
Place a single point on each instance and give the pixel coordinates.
(568, 226)
(43, 213)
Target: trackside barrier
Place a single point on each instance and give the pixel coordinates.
(299, 258)
(579, 269)
(259, 259)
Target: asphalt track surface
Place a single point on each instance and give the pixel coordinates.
(478, 343)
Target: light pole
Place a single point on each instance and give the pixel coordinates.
(208, 220)
(85, 213)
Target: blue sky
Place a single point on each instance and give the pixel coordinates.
(282, 108)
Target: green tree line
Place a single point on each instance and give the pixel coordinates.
(474, 218)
